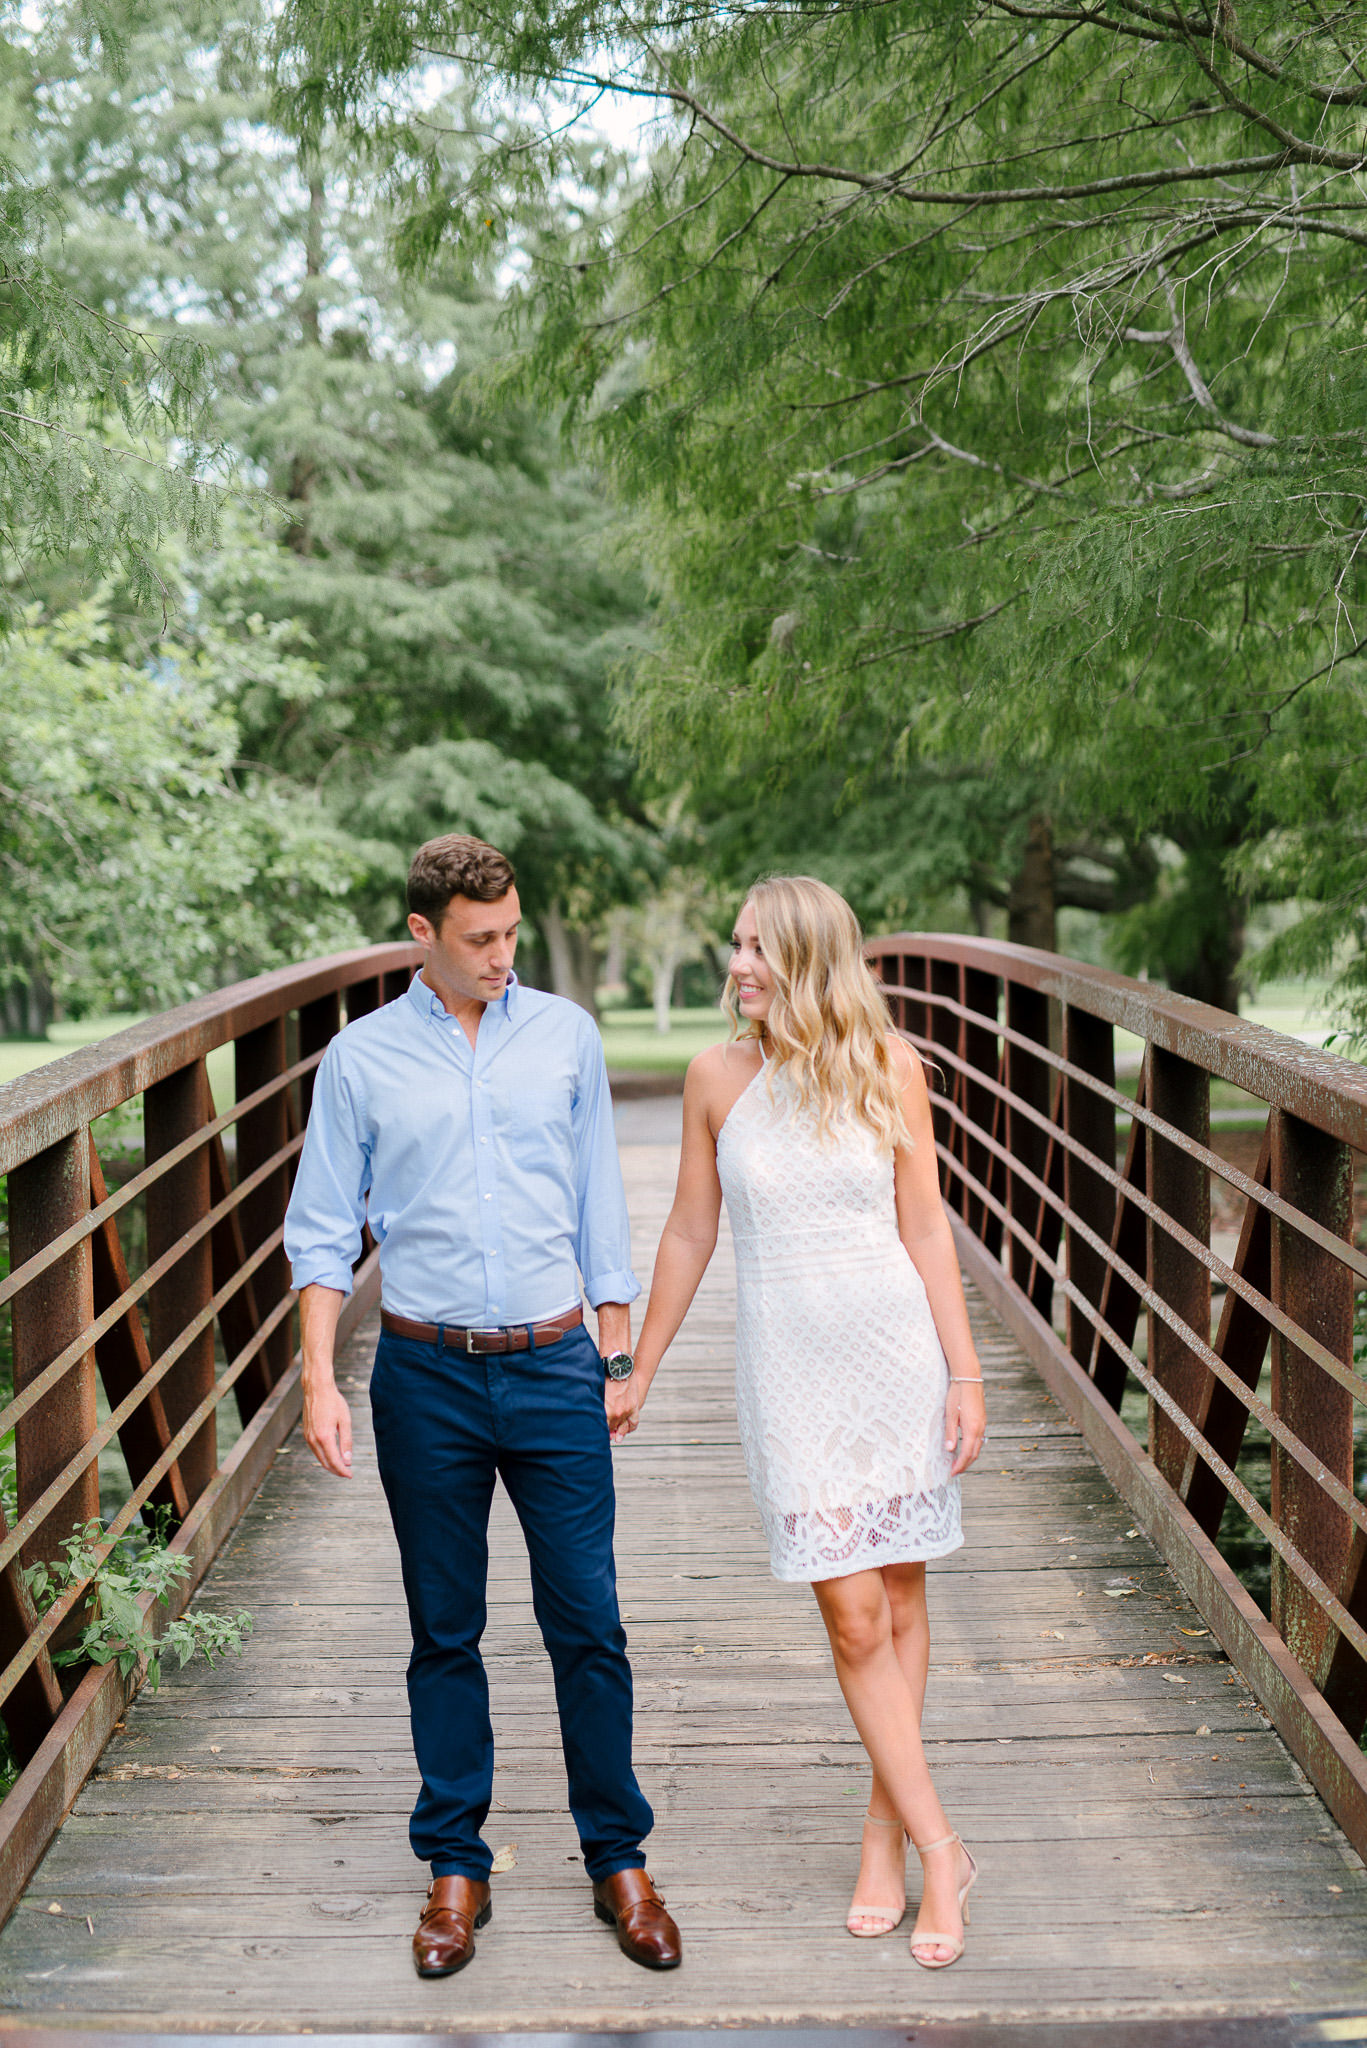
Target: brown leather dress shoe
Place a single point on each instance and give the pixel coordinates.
(445, 1938)
(629, 1902)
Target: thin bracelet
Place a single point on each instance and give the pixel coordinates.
(967, 1379)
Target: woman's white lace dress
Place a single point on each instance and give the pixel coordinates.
(840, 1377)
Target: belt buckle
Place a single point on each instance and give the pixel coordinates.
(470, 1351)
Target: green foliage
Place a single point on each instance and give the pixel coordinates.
(457, 586)
(142, 865)
(990, 373)
(440, 574)
(1314, 845)
(118, 1580)
(104, 443)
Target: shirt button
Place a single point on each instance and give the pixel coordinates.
(484, 1141)
(488, 1198)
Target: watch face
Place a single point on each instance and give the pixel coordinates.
(620, 1366)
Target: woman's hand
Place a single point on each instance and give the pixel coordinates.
(624, 1400)
(965, 1423)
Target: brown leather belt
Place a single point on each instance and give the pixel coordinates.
(481, 1343)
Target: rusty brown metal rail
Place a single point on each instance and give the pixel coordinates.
(208, 1204)
(1102, 1265)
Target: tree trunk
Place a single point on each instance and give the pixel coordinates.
(573, 960)
(313, 262)
(1030, 908)
(662, 992)
(39, 1005)
(1210, 972)
(26, 1007)
(615, 960)
(1198, 939)
(303, 469)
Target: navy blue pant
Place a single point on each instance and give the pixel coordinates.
(445, 1425)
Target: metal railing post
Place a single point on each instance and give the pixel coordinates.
(982, 994)
(946, 1030)
(1027, 1078)
(1089, 1043)
(1179, 1092)
(1314, 1172)
(174, 1109)
(259, 1057)
(319, 1022)
(47, 1194)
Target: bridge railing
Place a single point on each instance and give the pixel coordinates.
(1084, 1214)
(148, 1321)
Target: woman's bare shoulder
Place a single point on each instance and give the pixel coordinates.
(907, 1063)
(721, 1066)
(903, 1055)
(718, 1076)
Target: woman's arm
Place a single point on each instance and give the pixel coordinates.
(924, 1229)
(687, 1243)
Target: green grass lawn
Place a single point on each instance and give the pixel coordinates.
(20, 1056)
(633, 1045)
(1298, 1009)
(630, 1037)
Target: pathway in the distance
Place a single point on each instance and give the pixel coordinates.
(240, 1858)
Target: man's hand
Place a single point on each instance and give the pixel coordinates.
(327, 1419)
(327, 1428)
(621, 1398)
(624, 1400)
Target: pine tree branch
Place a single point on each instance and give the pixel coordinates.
(1332, 159)
(926, 637)
(891, 184)
(1175, 338)
(1247, 53)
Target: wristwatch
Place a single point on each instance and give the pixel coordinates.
(620, 1366)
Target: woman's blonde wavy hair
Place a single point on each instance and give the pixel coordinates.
(828, 1029)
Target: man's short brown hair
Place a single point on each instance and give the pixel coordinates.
(456, 865)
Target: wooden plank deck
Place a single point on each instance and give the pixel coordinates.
(240, 1861)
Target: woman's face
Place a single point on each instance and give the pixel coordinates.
(749, 970)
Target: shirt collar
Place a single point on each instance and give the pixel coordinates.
(430, 1006)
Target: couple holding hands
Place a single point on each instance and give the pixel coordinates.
(469, 1123)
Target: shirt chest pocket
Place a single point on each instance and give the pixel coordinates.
(537, 1109)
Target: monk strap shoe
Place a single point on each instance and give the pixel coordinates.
(444, 1940)
(629, 1902)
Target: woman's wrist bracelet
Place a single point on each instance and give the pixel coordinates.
(967, 1379)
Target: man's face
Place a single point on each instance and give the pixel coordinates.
(470, 957)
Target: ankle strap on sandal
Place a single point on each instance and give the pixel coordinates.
(943, 1843)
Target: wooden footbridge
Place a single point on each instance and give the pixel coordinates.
(1149, 1664)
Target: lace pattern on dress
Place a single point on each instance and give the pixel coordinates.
(840, 1377)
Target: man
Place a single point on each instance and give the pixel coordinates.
(474, 1114)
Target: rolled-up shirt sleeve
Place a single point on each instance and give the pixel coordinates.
(326, 1212)
(603, 1242)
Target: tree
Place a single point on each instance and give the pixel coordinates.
(140, 868)
(988, 367)
(448, 574)
(676, 924)
(105, 447)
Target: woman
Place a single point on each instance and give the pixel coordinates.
(858, 1388)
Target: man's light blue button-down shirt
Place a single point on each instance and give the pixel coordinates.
(491, 1171)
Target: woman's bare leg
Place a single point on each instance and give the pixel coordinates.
(906, 1590)
(880, 1889)
(885, 1708)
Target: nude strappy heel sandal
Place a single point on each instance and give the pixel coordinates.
(951, 1941)
(888, 1918)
